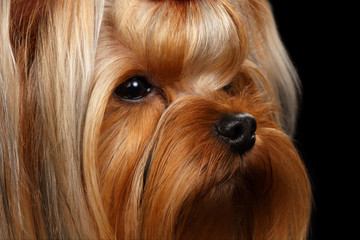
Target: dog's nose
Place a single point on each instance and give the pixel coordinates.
(238, 130)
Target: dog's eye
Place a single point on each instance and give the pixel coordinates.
(134, 88)
(227, 88)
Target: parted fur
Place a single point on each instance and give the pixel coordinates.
(78, 162)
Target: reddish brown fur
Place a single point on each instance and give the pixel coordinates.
(198, 188)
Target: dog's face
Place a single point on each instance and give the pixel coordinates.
(147, 119)
(190, 145)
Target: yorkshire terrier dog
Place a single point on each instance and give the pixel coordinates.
(148, 119)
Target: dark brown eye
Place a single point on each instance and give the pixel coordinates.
(227, 88)
(134, 88)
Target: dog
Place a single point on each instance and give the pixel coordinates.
(148, 119)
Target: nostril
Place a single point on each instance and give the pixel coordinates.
(238, 130)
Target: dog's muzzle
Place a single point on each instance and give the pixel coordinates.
(238, 130)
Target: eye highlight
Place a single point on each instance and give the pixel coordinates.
(134, 88)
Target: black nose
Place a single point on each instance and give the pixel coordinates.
(238, 130)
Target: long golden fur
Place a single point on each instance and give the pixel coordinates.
(79, 162)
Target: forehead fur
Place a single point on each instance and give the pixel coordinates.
(175, 39)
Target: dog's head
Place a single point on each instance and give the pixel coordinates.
(153, 120)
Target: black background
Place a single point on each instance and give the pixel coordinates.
(315, 35)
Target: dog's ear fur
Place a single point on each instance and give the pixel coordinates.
(9, 144)
(268, 53)
(46, 65)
